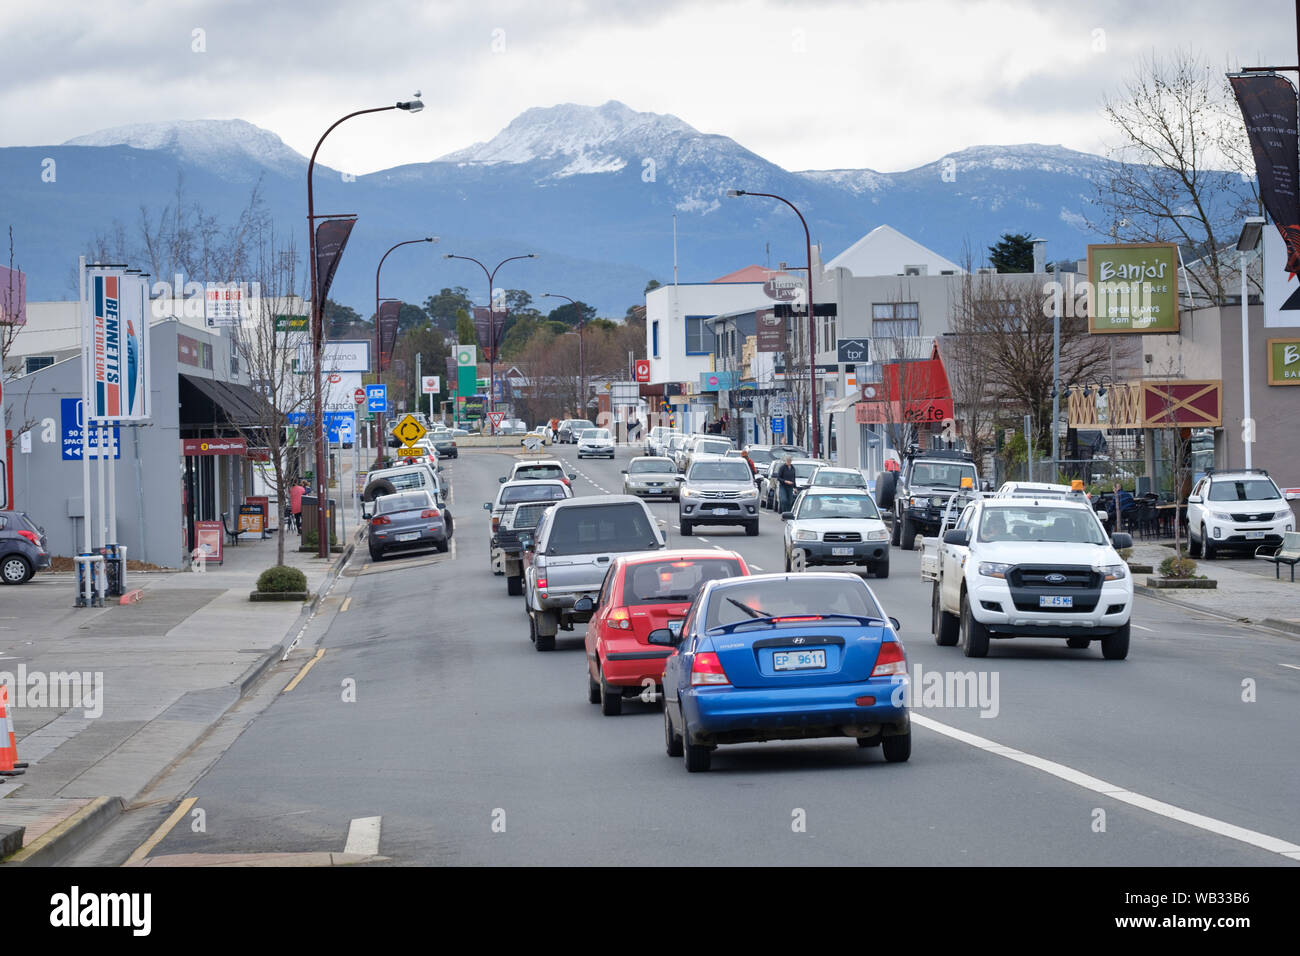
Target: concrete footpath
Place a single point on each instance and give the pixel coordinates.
(1247, 590)
(104, 700)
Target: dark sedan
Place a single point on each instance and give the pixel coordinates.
(22, 548)
(410, 519)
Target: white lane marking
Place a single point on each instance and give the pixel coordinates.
(363, 836)
(755, 567)
(1078, 778)
(705, 540)
(1292, 666)
(1141, 628)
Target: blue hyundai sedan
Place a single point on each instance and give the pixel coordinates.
(784, 657)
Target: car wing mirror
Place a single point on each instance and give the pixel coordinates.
(502, 480)
(584, 604)
(1194, 499)
(663, 637)
(1121, 540)
(787, 515)
(958, 536)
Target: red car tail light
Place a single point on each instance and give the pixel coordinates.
(381, 519)
(541, 584)
(432, 513)
(707, 670)
(890, 660)
(619, 618)
(31, 536)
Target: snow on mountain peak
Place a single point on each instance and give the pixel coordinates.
(221, 146)
(589, 139)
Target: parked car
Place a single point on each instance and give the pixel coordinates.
(840, 526)
(596, 443)
(656, 440)
(642, 593)
(1236, 510)
(410, 519)
(22, 548)
(570, 553)
(675, 449)
(703, 446)
(784, 657)
(651, 477)
(718, 491)
(391, 481)
(512, 426)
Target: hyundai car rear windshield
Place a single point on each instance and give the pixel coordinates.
(1059, 525)
(653, 466)
(595, 529)
(674, 581)
(941, 475)
(810, 597)
(1243, 489)
(720, 471)
(539, 492)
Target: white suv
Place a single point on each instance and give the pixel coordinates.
(1236, 509)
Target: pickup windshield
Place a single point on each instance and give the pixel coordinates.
(937, 474)
(720, 471)
(1040, 524)
(599, 529)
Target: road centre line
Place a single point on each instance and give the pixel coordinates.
(1078, 778)
(1292, 666)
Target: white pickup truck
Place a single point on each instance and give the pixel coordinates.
(930, 546)
(1026, 567)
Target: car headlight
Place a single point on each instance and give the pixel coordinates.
(994, 569)
(1282, 514)
(752, 493)
(1114, 572)
(805, 535)
(938, 502)
(881, 535)
(916, 502)
(687, 493)
(1220, 516)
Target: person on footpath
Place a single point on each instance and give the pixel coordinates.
(295, 504)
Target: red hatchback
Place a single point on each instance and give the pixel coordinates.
(643, 592)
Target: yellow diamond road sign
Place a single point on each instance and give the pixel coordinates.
(409, 430)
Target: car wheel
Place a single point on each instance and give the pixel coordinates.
(532, 628)
(942, 624)
(895, 534)
(544, 627)
(672, 742)
(881, 568)
(15, 569)
(375, 555)
(787, 562)
(908, 535)
(1210, 550)
(751, 529)
(515, 585)
(443, 546)
(697, 757)
(865, 742)
(1115, 647)
(593, 688)
(1193, 546)
(898, 748)
(974, 635)
(611, 699)
(686, 528)
(1077, 643)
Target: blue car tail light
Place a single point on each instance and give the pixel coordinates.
(890, 660)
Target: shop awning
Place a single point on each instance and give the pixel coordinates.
(205, 401)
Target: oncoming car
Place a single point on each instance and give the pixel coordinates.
(784, 657)
(642, 593)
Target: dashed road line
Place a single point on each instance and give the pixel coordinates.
(347, 603)
(303, 673)
(1141, 628)
(177, 815)
(1292, 666)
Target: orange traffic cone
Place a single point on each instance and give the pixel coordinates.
(9, 765)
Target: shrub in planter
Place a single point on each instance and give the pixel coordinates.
(281, 578)
(310, 538)
(1178, 568)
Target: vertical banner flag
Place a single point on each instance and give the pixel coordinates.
(1268, 107)
(115, 330)
(489, 329)
(451, 373)
(389, 310)
(331, 238)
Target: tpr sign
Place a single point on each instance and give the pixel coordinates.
(854, 351)
(377, 398)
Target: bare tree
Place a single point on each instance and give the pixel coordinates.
(977, 307)
(1179, 130)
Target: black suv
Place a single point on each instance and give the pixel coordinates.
(916, 496)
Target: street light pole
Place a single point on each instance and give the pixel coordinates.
(492, 325)
(1251, 231)
(379, 354)
(812, 330)
(317, 328)
(582, 367)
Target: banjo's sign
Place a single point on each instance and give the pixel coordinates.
(1284, 361)
(1134, 288)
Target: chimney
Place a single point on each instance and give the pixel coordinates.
(1039, 256)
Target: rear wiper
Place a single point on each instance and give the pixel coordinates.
(748, 610)
(768, 619)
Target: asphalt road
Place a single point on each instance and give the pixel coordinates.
(474, 748)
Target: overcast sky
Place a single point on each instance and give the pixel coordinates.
(812, 84)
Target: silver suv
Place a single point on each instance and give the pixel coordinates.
(566, 560)
(719, 491)
(1236, 509)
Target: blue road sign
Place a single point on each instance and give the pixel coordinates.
(337, 425)
(377, 398)
(70, 413)
(778, 426)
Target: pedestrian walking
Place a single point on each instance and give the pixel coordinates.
(785, 479)
(295, 504)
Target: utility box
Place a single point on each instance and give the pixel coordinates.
(309, 519)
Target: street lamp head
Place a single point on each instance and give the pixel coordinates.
(733, 193)
(1251, 230)
(431, 238)
(448, 255)
(412, 105)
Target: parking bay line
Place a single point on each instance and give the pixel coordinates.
(347, 602)
(303, 673)
(363, 836)
(1087, 782)
(144, 848)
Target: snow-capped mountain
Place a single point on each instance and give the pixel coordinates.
(234, 149)
(595, 191)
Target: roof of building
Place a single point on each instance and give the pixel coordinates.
(885, 251)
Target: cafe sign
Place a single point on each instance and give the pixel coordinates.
(1284, 361)
(1134, 288)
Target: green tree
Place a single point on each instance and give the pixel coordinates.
(443, 308)
(652, 285)
(519, 335)
(432, 347)
(341, 321)
(465, 334)
(1014, 253)
(572, 314)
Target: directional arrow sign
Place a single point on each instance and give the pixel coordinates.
(409, 430)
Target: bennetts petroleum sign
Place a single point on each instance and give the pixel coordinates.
(1134, 288)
